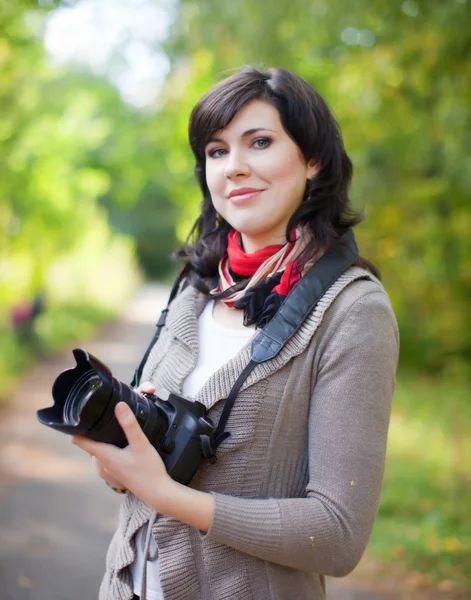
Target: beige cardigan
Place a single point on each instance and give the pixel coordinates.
(297, 484)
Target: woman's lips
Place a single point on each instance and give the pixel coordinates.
(245, 197)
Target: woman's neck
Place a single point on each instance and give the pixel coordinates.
(251, 244)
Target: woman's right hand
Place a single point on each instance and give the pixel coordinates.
(147, 388)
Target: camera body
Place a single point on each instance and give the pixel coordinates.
(84, 402)
(181, 446)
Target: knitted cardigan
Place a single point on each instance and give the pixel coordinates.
(297, 484)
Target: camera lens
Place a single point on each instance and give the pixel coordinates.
(81, 392)
(85, 398)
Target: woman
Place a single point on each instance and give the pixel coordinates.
(296, 487)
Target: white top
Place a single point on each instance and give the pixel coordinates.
(217, 345)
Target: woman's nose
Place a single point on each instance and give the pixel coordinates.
(236, 165)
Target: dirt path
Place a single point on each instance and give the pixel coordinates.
(56, 516)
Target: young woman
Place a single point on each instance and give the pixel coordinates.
(295, 490)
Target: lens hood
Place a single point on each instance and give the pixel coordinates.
(92, 411)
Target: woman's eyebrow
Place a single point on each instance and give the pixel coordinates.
(245, 134)
(255, 129)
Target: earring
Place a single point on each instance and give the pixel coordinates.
(218, 220)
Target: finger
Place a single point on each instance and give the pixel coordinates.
(106, 475)
(101, 469)
(132, 430)
(93, 448)
(146, 387)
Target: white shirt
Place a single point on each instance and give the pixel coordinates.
(217, 345)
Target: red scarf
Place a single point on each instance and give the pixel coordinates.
(258, 265)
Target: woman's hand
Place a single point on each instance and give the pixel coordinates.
(106, 476)
(138, 467)
(145, 387)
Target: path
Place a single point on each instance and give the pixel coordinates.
(56, 516)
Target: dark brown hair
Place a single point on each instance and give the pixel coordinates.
(306, 118)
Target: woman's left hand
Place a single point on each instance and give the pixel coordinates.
(138, 466)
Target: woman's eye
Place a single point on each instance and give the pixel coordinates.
(262, 143)
(216, 152)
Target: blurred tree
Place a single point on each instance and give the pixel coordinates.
(70, 147)
(76, 164)
(398, 76)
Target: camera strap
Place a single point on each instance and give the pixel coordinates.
(272, 338)
(160, 323)
(290, 316)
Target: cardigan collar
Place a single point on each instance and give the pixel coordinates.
(182, 322)
(182, 318)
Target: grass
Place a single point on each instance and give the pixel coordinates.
(424, 518)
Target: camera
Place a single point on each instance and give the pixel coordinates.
(84, 401)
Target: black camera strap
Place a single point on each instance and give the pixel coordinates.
(302, 299)
(290, 316)
(160, 323)
(272, 338)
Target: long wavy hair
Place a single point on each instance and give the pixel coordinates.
(325, 208)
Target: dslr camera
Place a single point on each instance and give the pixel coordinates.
(84, 401)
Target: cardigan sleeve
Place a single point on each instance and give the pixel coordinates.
(327, 530)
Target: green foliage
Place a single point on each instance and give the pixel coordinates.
(88, 185)
(59, 326)
(55, 238)
(397, 76)
(68, 322)
(423, 519)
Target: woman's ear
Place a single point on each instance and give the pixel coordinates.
(313, 168)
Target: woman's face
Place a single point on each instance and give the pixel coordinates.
(256, 175)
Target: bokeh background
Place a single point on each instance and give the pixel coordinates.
(97, 189)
